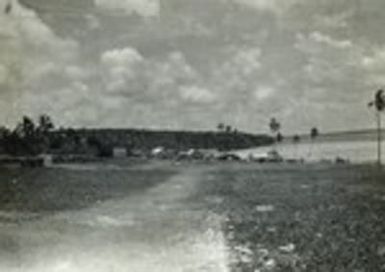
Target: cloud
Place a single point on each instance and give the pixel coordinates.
(276, 6)
(330, 61)
(240, 66)
(127, 72)
(243, 60)
(264, 92)
(322, 38)
(30, 55)
(120, 67)
(121, 57)
(142, 7)
(196, 94)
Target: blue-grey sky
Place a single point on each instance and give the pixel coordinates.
(189, 64)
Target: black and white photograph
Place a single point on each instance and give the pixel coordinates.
(192, 135)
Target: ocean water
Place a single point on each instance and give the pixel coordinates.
(354, 151)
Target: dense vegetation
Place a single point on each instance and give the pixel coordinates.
(105, 139)
(32, 138)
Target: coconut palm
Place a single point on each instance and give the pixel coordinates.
(45, 123)
(221, 127)
(314, 132)
(274, 125)
(228, 128)
(313, 135)
(379, 105)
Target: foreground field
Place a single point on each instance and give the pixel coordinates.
(191, 217)
(316, 218)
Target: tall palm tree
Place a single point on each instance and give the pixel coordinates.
(379, 105)
(314, 132)
(26, 128)
(313, 135)
(221, 127)
(274, 126)
(45, 123)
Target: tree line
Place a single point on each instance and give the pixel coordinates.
(33, 137)
(29, 137)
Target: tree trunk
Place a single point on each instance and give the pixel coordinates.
(379, 139)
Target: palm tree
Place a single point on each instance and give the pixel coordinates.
(221, 127)
(45, 123)
(26, 128)
(279, 137)
(296, 139)
(379, 105)
(314, 132)
(313, 135)
(274, 125)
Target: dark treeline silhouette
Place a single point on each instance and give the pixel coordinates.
(31, 137)
(28, 137)
(103, 140)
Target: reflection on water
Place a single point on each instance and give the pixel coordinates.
(355, 151)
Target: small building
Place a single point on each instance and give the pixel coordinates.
(119, 152)
(47, 159)
(157, 151)
(228, 156)
(191, 154)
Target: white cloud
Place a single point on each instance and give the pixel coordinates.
(120, 67)
(264, 92)
(121, 57)
(239, 69)
(322, 38)
(333, 21)
(142, 7)
(93, 22)
(232, 55)
(30, 53)
(329, 61)
(277, 6)
(196, 94)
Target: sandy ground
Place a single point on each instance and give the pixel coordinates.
(151, 230)
(192, 217)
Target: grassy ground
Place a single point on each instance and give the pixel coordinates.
(50, 190)
(309, 218)
(277, 217)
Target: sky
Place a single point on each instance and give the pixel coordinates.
(190, 64)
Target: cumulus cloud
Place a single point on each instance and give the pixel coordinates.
(128, 73)
(240, 65)
(30, 54)
(142, 7)
(264, 92)
(121, 57)
(196, 94)
(304, 61)
(329, 61)
(276, 6)
(322, 38)
(120, 66)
